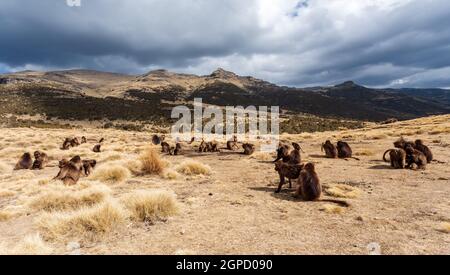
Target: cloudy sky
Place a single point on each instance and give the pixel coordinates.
(298, 43)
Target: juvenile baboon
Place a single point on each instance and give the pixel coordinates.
(83, 140)
(232, 144)
(249, 149)
(397, 158)
(70, 171)
(75, 142)
(66, 144)
(420, 146)
(25, 162)
(309, 187)
(345, 151)
(88, 166)
(330, 149)
(289, 171)
(402, 144)
(40, 160)
(416, 157)
(97, 148)
(295, 156)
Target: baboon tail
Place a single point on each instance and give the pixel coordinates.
(384, 156)
(278, 159)
(438, 161)
(340, 202)
(356, 158)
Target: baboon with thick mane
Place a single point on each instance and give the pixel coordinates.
(40, 160)
(25, 162)
(70, 171)
(345, 151)
(414, 156)
(420, 146)
(330, 149)
(397, 158)
(289, 171)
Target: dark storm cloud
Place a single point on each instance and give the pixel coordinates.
(374, 42)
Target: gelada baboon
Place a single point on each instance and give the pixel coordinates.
(70, 171)
(212, 147)
(416, 157)
(295, 156)
(401, 143)
(101, 140)
(40, 160)
(156, 140)
(232, 144)
(397, 158)
(330, 150)
(309, 187)
(345, 151)
(97, 148)
(165, 148)
(283, 152)
(249, 149)
(83, 140)
(66, 144)
(88, 166)
(420, 146)
(289, 171)
(25, 162)
(178, 149)
(75, 142)
(203, 147)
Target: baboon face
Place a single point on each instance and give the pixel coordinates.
(63, 163)
(296, 146)
(76, 159)
(419, 142)
(83, 139)
(310, 167)
(37, 154)
(328, 142)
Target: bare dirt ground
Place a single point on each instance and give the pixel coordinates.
(233, 209)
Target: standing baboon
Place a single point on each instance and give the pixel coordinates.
(289, 171)
(330, 149)
(25, 162)
(344, 150)
(420, 146)
(416, 157)
(70, 171)
(83, 140)
(397, 158)
(97, 148)
(66, 144)
(232, 144)
(40, 160)
(88, 166)
(249, 149)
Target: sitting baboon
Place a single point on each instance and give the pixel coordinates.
(203, 147)
(295, 156)
(156, 140)
(330, 150)
(75, 142)
(232, 144)
(285, 170)
(416, 157)
(345, 151)
(165, 147)
(97, 148)
(212, 147)
(397, 158)
(309, 187)
(88, 166)
(40, 160)
(402, 143)
(83, 140)
(70, 171)
(249, 149)
(25, 162)
(420, 146)
(283, 152)
(66, 144)
(178, 150)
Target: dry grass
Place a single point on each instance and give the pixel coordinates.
(135, 166)
(6, 193)
(70, 200)
(342, 191)
(111, 173)
(4, 168)
(31, 245)
(150, 206)
(332, 209)
(91, 223)
(365, 152)
(192, 167)
(170, 174)
(5, 215)
(376, 136)
(444, 227)
(263, 156)
(151, 162)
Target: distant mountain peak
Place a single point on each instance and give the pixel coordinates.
(347, 84)
(221, 73)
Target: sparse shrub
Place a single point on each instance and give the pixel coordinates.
(170, 174)
(113, 173)
(192, 167)
(342, 191)
(90, 223)
(151, 162)
(5, 215)
(332, 209)
(70, 200)
(31, 245)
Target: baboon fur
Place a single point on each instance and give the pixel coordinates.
(71, 171)
(397, 158)
(25, 162)
(330, 150)
(289, 171)
(40, 160)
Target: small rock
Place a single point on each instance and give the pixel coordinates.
(210, 194)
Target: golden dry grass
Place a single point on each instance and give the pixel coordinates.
(342, 191)
(150, 206)
(91, 223)
(365, 152)
(69, 199)
(332, 209)
(444, 227)
(170, 174)
(151, 162)
(6, 193)
(5, 215)
(4, 168)
(111, 173)
(192, 167)
(30, 245)
(263, 156)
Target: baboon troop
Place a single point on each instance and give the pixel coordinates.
(330, 149)
(208, 147)
(409, 154)
(73, 142)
